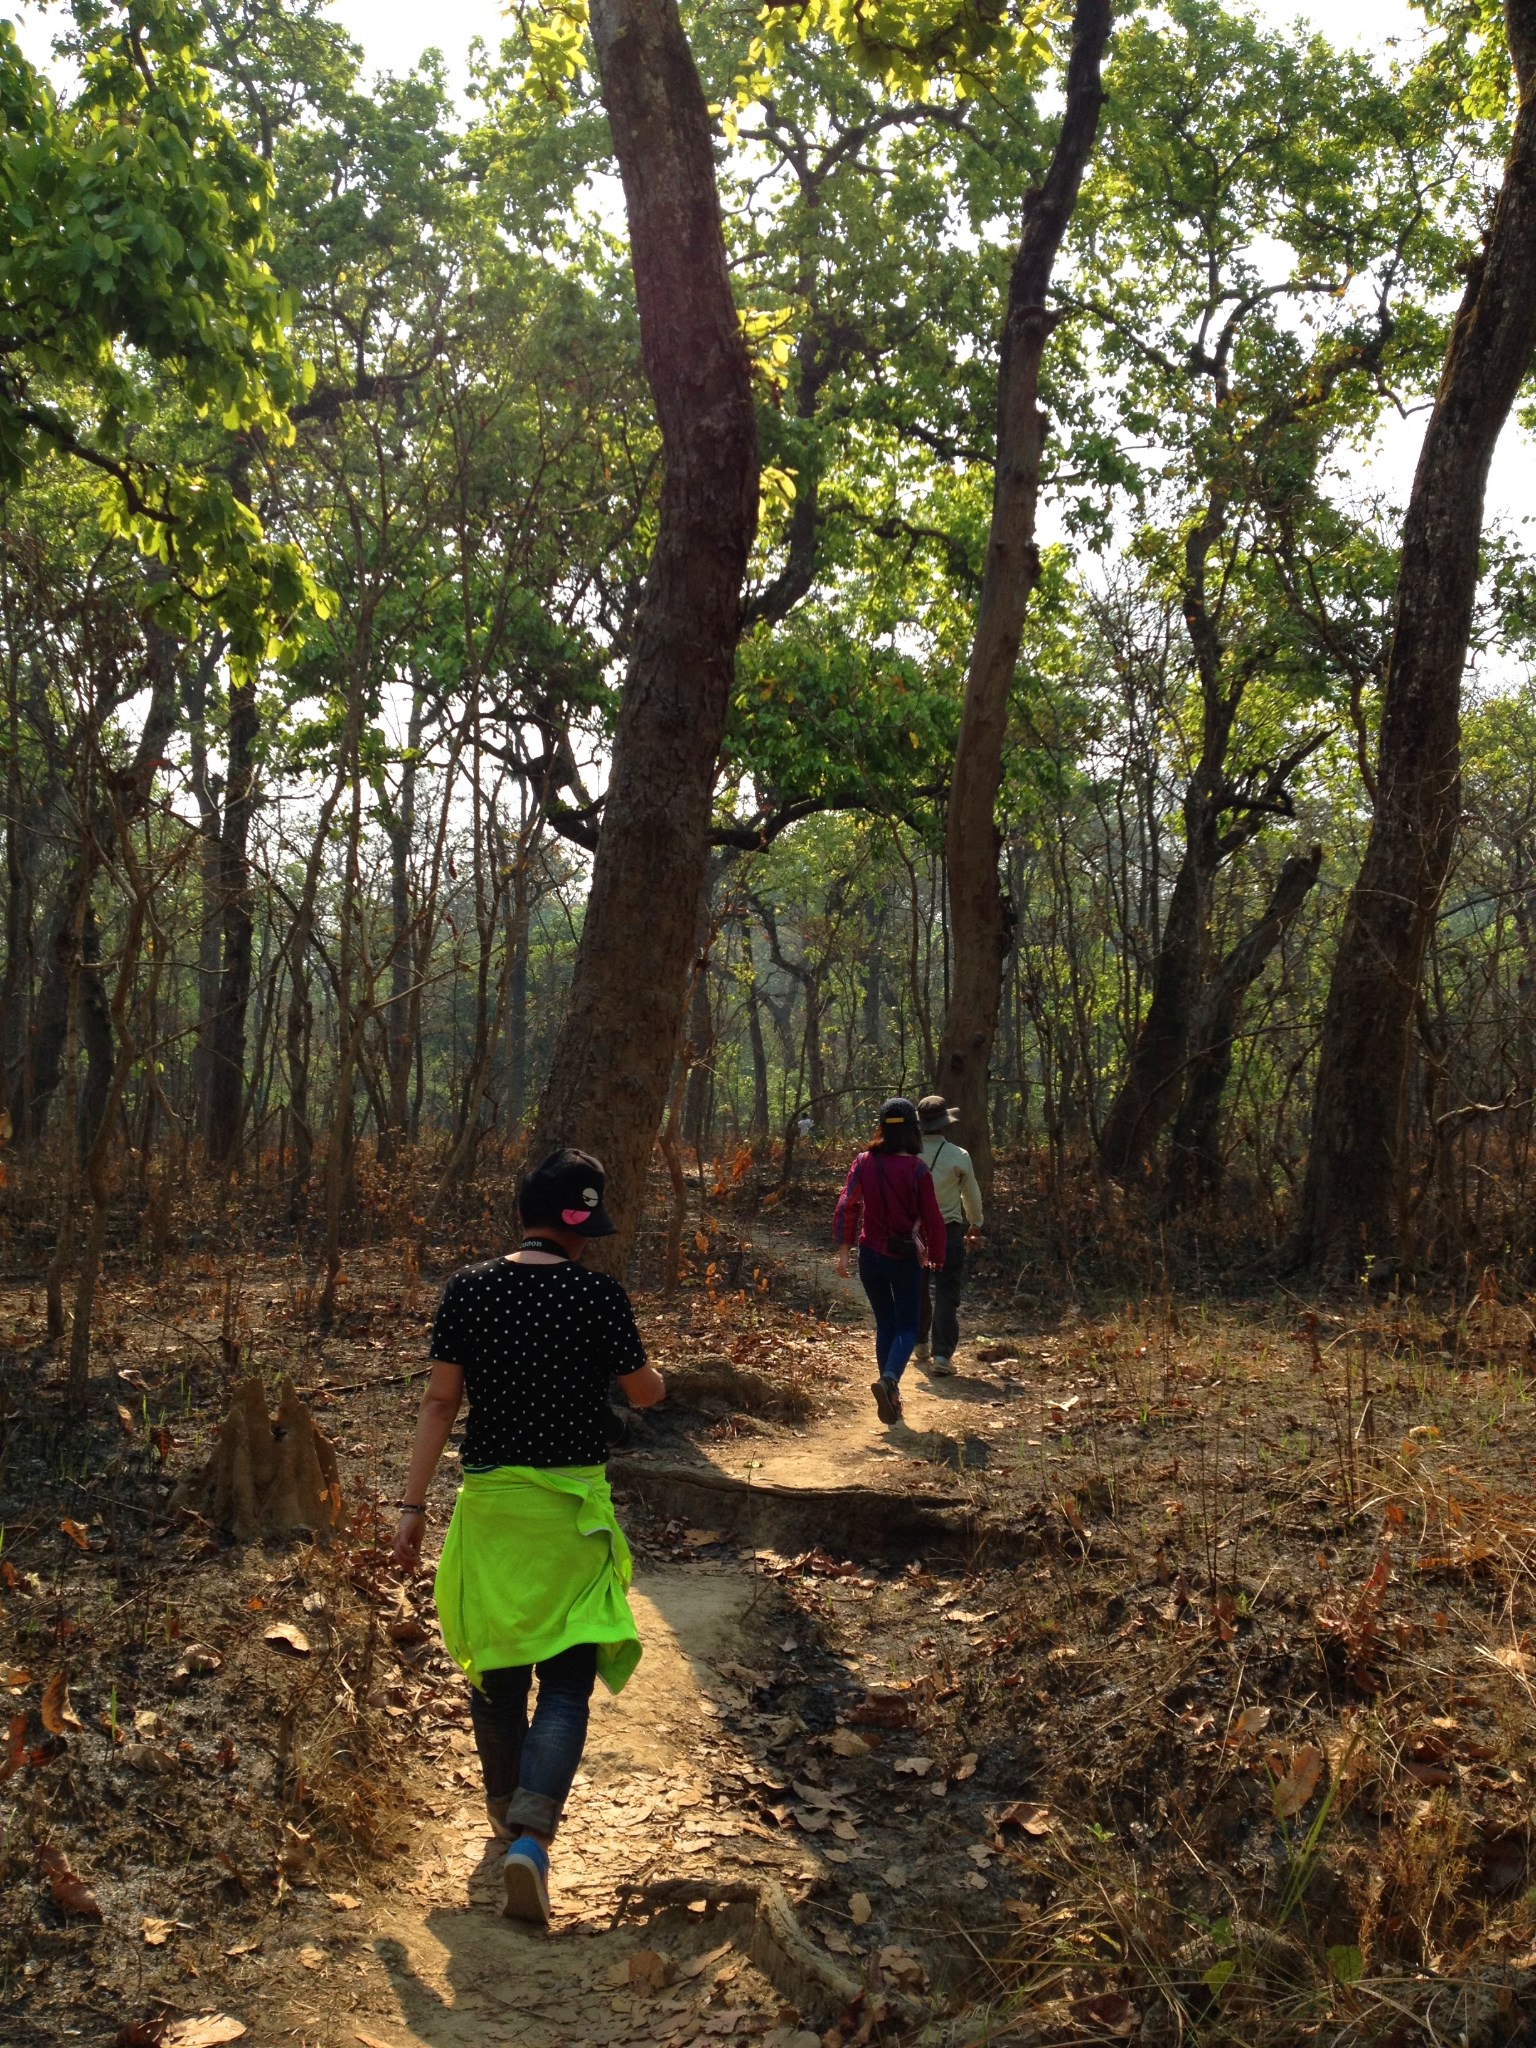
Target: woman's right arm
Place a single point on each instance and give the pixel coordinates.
(845, 1221)
(439, 1411)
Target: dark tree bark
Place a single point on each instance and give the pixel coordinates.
(96, 821)
(1223, 808)
(402, 1015)
(761, 1109)
(981, 923)
(95, 1026)
(195, 693)
(1352, 1197)
(618, 1040)
(700, 1053)
(1194, 1167)
(232, 874)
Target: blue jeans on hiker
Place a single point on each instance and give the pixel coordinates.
(528, 1767)
(895, 1290)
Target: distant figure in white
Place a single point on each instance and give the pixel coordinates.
(959, 1193)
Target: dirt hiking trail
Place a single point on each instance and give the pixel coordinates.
(709, 1811)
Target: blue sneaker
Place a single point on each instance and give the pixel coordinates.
(525, 1873)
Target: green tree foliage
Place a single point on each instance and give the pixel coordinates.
(132, 238)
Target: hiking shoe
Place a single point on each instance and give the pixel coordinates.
(496, 1814)
(942, 1369)
(525, 1874)
(887, 1399)
(920, 1353)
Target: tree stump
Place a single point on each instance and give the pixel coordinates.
(266, 1476)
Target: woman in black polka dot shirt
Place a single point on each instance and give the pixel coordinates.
(534, 1569)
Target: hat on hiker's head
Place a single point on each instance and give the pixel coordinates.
(567, 1189)
(935, 1114)
(897, 1116)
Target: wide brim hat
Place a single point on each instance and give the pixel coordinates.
(567, 1188)
(935, 1114)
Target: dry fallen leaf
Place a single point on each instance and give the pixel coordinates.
(71, 1894)
(209, 2031)
(650, 1971)
(145, 1757)
(895, 1875)
(311, 1957)
(344, 1902)
(15, 1748)
(283, 1635)
(1027, 1814)
(837, 1941)
(197, 1660)
(1300, 1781)
(58, 1715)
(860, 1908)
(16, 1681)
(157, 1932)
(1251, 1721)
(913, 1766)
(966, 1768)
(78, 1536)
(700, 1964)
(847, 1742)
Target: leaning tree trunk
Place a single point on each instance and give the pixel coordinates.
(980, 921)
(1194, 1166)
(618, 1040)
(1350, 1208)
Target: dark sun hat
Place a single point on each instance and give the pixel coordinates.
(935, 1114)
(567, 1189)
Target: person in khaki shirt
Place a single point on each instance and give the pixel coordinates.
(959, 1196)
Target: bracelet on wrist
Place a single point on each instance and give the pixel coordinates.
(411, 1507)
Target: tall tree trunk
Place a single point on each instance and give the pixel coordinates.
(517, 1004)
(1350, 1201)
(980, 922)
(94, 821)
(198, 678)
(403, 1014)
(618, 1040)
(226, 1076)
(701, 1046)
(95, 1034)
(1194, 1167)
(761, 1109)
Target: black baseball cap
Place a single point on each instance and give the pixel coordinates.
(898, 1114)
(567, 1189)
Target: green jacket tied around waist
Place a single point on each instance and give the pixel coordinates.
(533, 1563)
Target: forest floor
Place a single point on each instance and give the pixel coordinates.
(1164, 1677)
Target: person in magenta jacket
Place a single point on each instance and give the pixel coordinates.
(889, 1210)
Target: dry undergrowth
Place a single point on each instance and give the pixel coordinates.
(1259, 1717)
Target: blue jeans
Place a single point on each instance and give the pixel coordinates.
(528, 1768)
(895, 1290)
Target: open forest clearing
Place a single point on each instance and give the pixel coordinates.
(768, 793)
(1169, 1669)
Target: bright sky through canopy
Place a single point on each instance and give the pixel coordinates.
(395, 32)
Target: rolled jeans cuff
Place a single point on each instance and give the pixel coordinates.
(534, 1813)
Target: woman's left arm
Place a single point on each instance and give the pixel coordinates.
(439, 1410)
